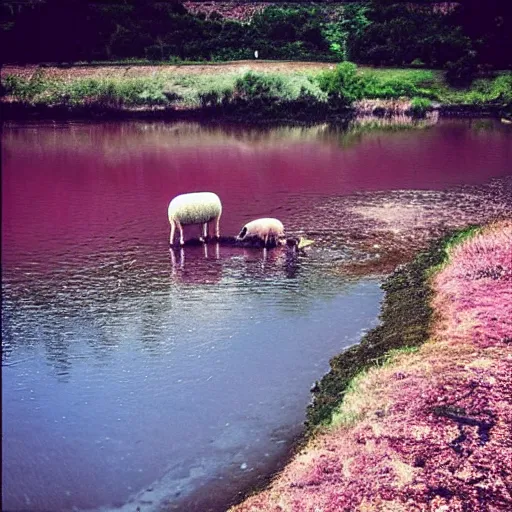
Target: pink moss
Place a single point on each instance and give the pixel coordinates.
(444, 440)
(475, 290)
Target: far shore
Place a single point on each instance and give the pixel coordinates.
(236, 91)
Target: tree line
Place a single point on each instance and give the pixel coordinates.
(471, 36)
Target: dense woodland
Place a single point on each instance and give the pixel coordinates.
(473, 36)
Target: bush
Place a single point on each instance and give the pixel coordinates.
(215, 97)
(375, 87)
(501, 89)
(342, 84)
(260, 87)
(417, 63)
(497, 91)
(25, 89)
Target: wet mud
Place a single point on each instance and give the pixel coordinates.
(372, 233)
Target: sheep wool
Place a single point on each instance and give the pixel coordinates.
(264, 229)
(194, 208)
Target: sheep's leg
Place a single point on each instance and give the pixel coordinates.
(265, 240)
(180, 227)
(205, 232)
(201, 232)
(217, 226)
(173, 228)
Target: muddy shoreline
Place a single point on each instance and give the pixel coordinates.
(447, 447)
(20, 111)
(406, 301)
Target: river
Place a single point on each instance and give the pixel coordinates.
(138, 376)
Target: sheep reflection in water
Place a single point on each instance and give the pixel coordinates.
(206, 264)
(203, 264)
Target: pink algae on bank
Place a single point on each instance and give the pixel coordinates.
(476, 288)
(432, 430)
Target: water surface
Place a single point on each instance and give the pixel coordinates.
(133, 373)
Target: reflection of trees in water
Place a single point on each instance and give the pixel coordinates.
(127, 140)
(147, 303)
(354, 131)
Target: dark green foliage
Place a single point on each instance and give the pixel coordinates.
(78, 30)
(374, 32)
(399, 35)
(462, 71)
(489, 26)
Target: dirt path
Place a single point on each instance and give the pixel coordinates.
(124, 71)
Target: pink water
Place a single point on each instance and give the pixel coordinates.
(127, 376)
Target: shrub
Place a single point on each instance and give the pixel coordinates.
(215, 97)
(342, 84)
(12, 85)
(25, 89)
(417, 63)
(501, 89)
(497, 91)
(375, 87)
(258, 86)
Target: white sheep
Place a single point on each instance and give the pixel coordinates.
(195, 208)
(263, 229)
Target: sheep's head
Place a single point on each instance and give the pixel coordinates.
(242, 233)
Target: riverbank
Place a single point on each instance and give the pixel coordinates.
(248, 90)
(420, 427)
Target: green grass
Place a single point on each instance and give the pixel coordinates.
(419, 106)
(431, 84)
(325, 90)
(454, 240)
(406, 318)
(355, 392)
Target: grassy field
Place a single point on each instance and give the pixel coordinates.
(268, 86)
